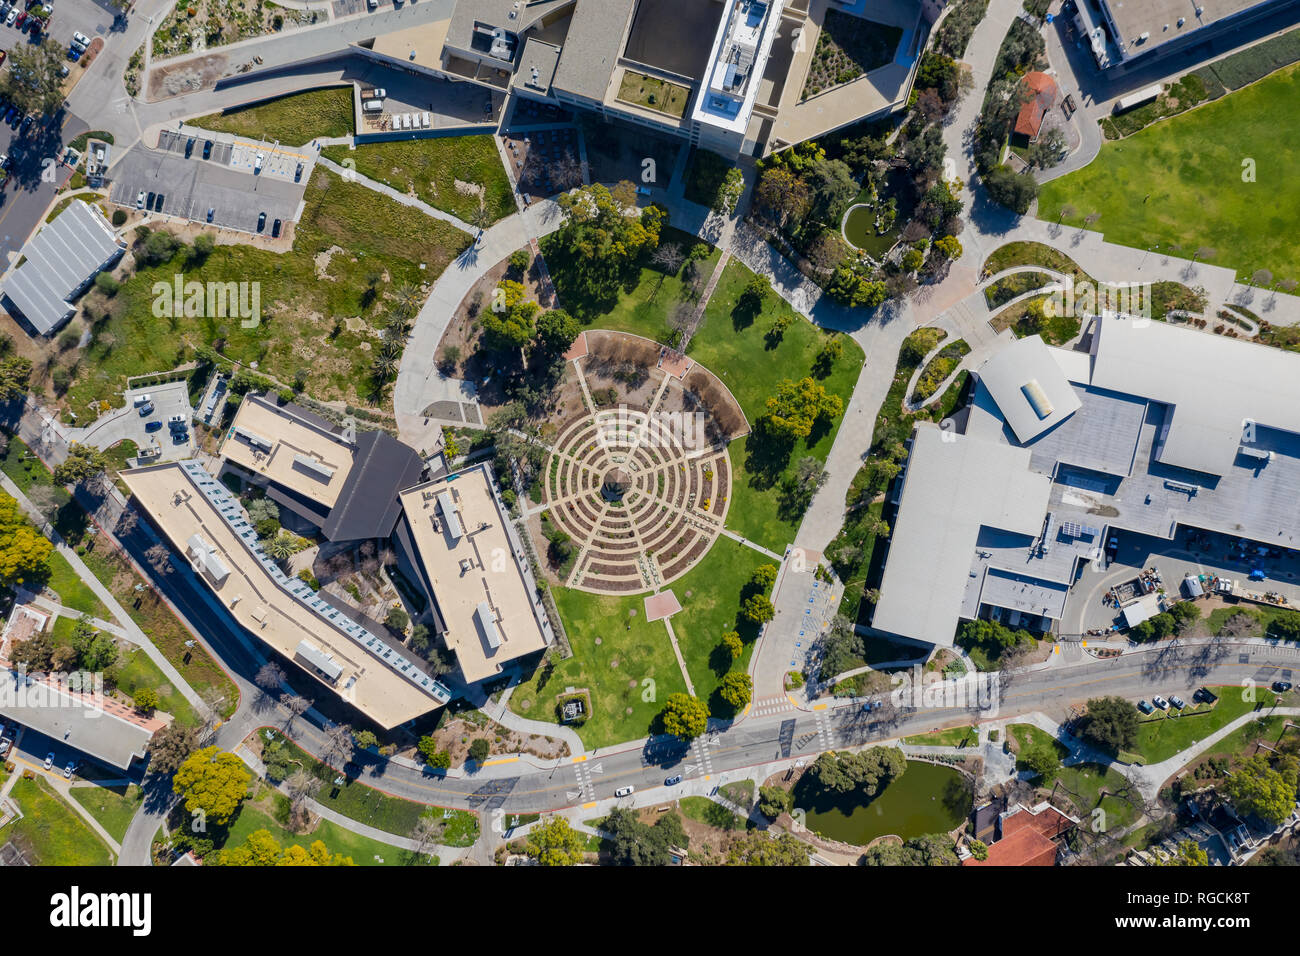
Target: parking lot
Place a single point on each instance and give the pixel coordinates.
(188, 188)
(127, 423)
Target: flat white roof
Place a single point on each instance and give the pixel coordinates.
(186, 503)
(737, 63)
(294, 453)
(1216, 386)
(954, 485)
(1030, 387)
(490, 612)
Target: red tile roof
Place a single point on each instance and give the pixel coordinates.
(1027, 839)
(1042, 89)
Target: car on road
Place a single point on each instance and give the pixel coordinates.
(139, 200)
(67, 771)
(1160, 702)
(297, 173)
(49, 760)
(1176, 702)
(152, 426)
(275, 229)
(207, 149)
(1145, 707)
(261, 221)
(189, 147)
(673, 781)
(146, 409)
(1281, 686)
(620, 792)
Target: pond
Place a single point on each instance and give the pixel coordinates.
(927, 798)
(860, 232)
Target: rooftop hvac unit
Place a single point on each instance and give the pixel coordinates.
(1037, 398)
(486, 620)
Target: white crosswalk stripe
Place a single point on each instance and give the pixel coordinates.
(583, 772)
(824, 737)
(771, 705)
(701, 748)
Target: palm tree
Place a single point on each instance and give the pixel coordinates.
(479, 215)
(383, 366)
(280, 548)
(407, 299)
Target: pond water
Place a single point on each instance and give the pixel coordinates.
(927, 798)
(860, 231)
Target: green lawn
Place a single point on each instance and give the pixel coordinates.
(356, 801)
(1199, 199)
(654, 93)
(712, 609)
(703, 810)
(52, 829)
(643, 307)
(73, 592)
(629, 673)
(362, 849)
(293, 120)
(431, 168)
(323, 303)
(113, 807)
(1161, 737)
(741, 352)
(952, 737)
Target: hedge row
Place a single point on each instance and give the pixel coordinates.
(1258, 61)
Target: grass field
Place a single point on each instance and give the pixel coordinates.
(1200, 199)
(615, 653)
(113, 807)
(431, 167)
(362, 849)
(710, 597)
(703, 810)
(322, 307)
(293, 120)
(52, 829)
(356, 801)
(952, 737)
(1161, 737)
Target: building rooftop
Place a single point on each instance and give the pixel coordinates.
(953, 486)
(474, 22)
(1029, 387)
(61, 260)
(367, 505)
(1042, 97)
(204, 521)
(737, 63)
(475, 567)
(1216, 387)
(290, 449)
(1167, 20)
(592, 47)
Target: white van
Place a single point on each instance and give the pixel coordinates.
(427, 124)
(372, 106)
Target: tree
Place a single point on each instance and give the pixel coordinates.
(301, 787)
(731, 641)
(979, 849)
(757, 609)
(34, 654)
(868, 771)
(366, 739)
(1260, 790)
(685, 716)
(933, 849)
(14, 375)
(833, 188)
(783, 194)
(668, 258)
(24, 551)
(212, 782)
(555, 843)
(34, 80)
(556, 331)
(282, 547)
(602, 243)
(854, 288)
(1111, 723)
(262, 849)
(774, 801)
(339, 744)
(758, 848)
(765, 575)
(508, 325)
(1043, 761)
(479, 750)
(170, 746)
(82, 464)
(1016, 191)
(948, 247)
(1189, 854)
(269, 677)
(736, 689)
(798, 406)
(439, 759)
(633, 843)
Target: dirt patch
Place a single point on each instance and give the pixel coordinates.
(456, 735)
(190, 76)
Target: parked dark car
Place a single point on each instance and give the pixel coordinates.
(207, 149)
(189, 147)
(275, 229)
(1281, 686)
(261, 221)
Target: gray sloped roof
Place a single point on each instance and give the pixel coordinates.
(367, 506)
(65, 255)
(592, 47)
